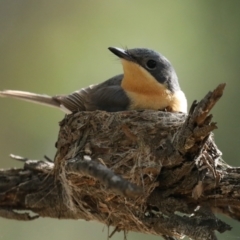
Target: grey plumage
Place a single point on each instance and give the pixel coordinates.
(108, 96)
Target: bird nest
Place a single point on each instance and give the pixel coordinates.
(126, 143)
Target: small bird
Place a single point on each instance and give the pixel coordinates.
(149, 81)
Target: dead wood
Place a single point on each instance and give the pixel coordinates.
(147, 171)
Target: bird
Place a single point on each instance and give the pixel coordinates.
(149, 81)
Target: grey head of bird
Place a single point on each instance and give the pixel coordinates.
(153, 62)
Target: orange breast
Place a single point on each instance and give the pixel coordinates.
(146, 92)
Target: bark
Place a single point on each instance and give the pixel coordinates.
(147, 171)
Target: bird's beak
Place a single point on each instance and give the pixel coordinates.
(121, 53)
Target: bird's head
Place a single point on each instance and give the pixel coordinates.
(143, 61)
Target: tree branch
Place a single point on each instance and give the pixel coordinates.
(147, 171)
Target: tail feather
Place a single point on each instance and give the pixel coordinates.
(32, 97)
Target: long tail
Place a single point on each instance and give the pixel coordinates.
(32, 97)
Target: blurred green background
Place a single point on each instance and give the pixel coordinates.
(56, 47)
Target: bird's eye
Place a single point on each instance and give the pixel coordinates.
(151, 64)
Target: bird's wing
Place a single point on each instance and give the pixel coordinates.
(110, 99)
(108, 96)
(75, 101)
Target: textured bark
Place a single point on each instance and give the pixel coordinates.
(147, 171)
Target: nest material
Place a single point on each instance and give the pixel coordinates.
(129, 145)
(161, 152)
